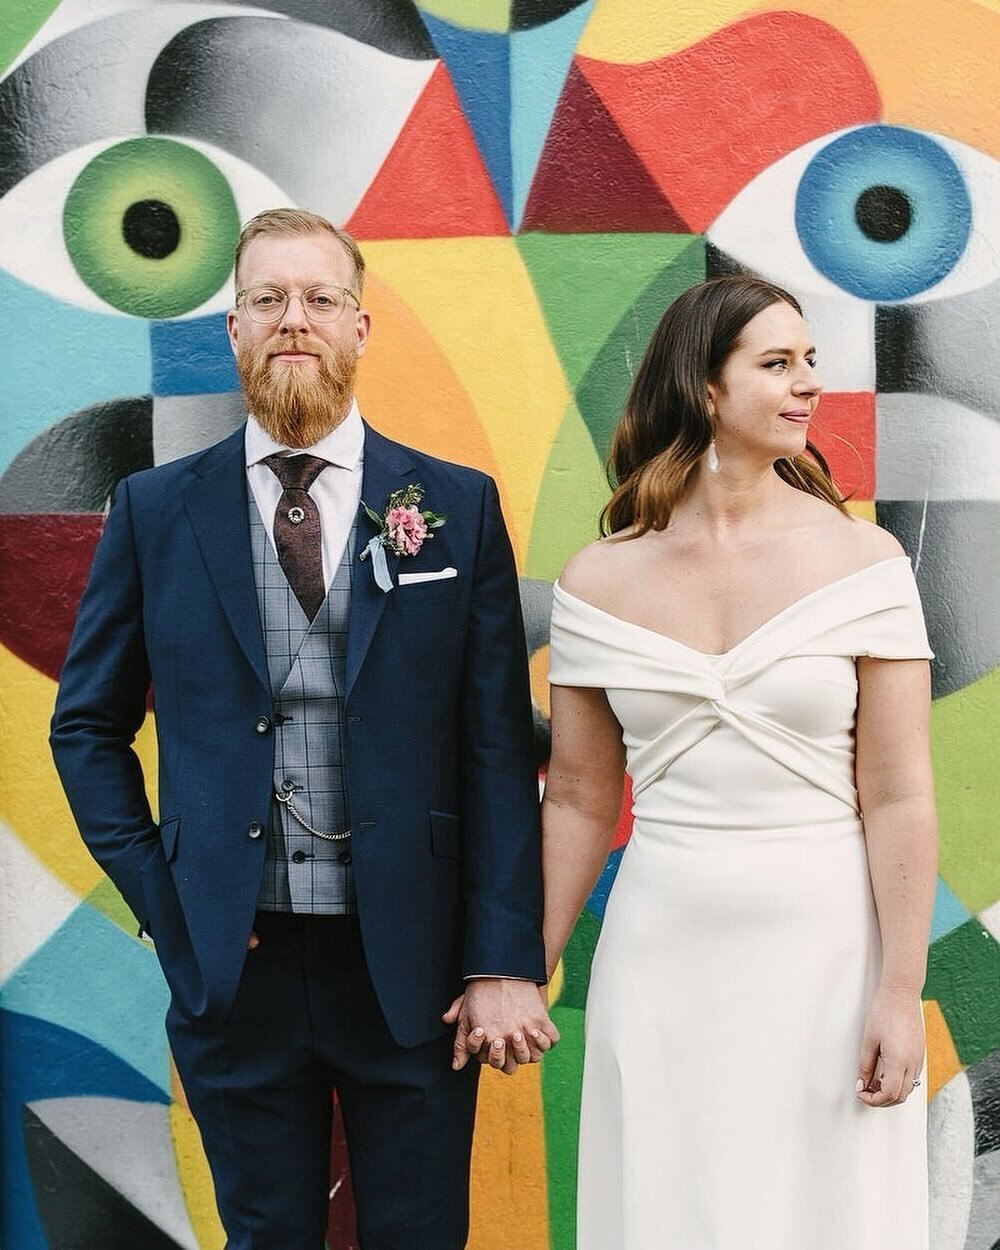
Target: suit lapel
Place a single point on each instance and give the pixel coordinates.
(217, 506)
(387, 466)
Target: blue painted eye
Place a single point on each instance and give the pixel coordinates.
(883, 212)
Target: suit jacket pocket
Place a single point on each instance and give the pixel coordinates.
(446, 835)
(168, 836)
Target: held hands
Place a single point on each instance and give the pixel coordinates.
(501, 1022)
(892, 1053)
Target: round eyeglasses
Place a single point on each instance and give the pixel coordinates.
(320, 303)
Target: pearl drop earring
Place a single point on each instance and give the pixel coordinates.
(712, 458)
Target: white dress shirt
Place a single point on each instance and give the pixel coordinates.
(336, 491)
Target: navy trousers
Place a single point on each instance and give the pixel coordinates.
(306, 1022)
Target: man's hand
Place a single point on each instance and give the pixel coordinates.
(501, 1022)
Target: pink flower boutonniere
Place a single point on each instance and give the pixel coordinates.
(403, 529)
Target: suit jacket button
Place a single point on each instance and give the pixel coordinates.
(263, 725)
(255, 830)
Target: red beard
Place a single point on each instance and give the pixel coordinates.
(297, 404)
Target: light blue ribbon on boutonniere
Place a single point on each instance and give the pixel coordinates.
(380, 565)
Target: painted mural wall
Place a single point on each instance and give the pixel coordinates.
(532, 181)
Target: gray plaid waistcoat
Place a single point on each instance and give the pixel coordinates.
(306, 664)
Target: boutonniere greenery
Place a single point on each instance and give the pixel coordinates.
(402, 529)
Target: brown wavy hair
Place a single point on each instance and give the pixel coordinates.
(666, 425)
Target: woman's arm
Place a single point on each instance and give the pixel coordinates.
(896, 794)
(583, 794)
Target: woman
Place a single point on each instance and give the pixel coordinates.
(758, 658)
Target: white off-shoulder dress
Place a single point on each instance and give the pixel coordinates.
(740, 946)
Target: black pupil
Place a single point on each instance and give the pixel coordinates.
(151, 228)
(883, 213)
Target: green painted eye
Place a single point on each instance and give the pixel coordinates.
(150, 226)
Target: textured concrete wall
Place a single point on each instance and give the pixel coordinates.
(532, 182)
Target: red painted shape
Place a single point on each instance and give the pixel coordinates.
(588, 177)
(433, 184)
(623, 830)
(707, 120)
(44, 562)
(844, 432)
(341, 1230)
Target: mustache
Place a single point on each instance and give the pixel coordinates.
(295, 343)
(297, 407)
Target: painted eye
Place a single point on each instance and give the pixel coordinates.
(147, 225)
(150, 226)
(883, 212)
(880, 212)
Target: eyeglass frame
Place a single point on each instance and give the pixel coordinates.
(315, 286)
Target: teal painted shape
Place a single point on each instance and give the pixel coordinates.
(56, 358)
(539, 61)
(949, 912)
(93, 979)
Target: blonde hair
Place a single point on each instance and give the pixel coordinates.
(296, 221)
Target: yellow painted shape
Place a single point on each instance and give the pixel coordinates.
(437, 415)
(193, 1172)
(508, 1192)
(942, 1058)
(555, 985)
(864, 508)
(538, 666)
(31, 797)
(476, 300)
(618, 32)
(933, 64)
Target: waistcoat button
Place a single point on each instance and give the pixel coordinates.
(298, 857)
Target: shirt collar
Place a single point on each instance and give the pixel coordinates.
(343, 446)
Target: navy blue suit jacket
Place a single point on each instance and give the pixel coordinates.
(442, 782)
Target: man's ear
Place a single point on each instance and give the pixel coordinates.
(363, 325)
(232, 329)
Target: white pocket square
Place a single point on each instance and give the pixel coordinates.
(409, 579)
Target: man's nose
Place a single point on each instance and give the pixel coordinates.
(294, 318)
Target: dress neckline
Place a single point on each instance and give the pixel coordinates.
(771, 620)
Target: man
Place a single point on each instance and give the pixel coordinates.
(347, 835)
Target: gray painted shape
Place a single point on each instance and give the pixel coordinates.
(929, 447)
(956, 558)
(74, 465)
(128, 1144)
(984, 1219)
(945, 347)
(186, 423)
(536, 608)
(314, 111)
(88, 85)
(393, 26)
(984, 1081)
(950, 1163)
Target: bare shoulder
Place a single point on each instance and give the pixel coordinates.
(869, 543)
(588, 573)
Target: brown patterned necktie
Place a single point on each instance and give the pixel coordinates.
(297, 533)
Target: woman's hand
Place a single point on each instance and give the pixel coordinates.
(892, 1053)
